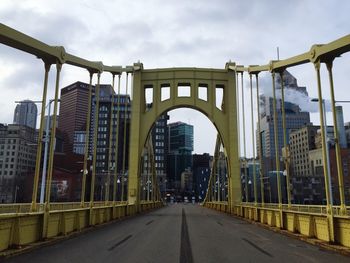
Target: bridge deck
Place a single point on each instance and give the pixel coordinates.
(180, 233)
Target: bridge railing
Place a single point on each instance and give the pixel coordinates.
(19, 226)
(310, 221)
(326, 222)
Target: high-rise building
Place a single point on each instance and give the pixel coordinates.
(159, 139)
(73, 111)
(307, 186)
(201, 174)
(347, 133)
(301, 141)
(341, 126)
(180, 147)
(26, 114)
(106, 108)
(17, 159)
(103, 128)
(317, 160)
(295, 119)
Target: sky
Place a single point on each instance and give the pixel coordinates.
(177, 33)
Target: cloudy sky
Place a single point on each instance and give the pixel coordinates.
(172, 34)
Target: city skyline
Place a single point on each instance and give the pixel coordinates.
(138, 31)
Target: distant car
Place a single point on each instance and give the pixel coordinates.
(186, 199)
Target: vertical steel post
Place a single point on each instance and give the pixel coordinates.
(286, 148)
(218, 179)
(53, 136)
(51, 155)
(261, 169)
(96, 120)
(86, 148)
(275, 124)
(148, 172)
(253, 141)
(324, 154)
(111, 112)
(43, 177)
(336, 140)
(238, 115)
(124, 135)
(244, 143)
(47, 140)
(40, 139)
(115, 185)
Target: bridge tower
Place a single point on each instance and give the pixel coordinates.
(165, 85)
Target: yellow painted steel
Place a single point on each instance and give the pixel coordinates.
(40, 139)
(51, 155)
(275, 127)
(110, 142)
(124, 136)
(261, 161)
(94, 150)
(244, 143)
(86, 145)
(210, 194)
(18, 229)
(23, 224)
(116, 155)
(224, 120)
(253, 140)
(286, 147)
(238, 115)
(53, 135)
(310, 221)
(324, 154)
(336, 139)
(279, 223)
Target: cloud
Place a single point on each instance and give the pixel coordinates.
(169, 34)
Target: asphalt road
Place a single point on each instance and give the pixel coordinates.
(180, 233)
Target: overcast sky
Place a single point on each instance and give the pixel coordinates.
(172, 34)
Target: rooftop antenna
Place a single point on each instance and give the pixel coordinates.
(278, 53)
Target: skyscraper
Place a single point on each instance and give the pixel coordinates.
(73, 111)
(295, 118)
(103, 129)
(107, 106)
(201, 173)
(180, 145)
(341, 126)
(160, 146)
(26, 113)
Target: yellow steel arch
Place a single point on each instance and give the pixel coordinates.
(224, 118)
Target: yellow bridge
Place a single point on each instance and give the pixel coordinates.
(22, 224)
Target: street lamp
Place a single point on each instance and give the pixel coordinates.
(47, 139)
(327, 150)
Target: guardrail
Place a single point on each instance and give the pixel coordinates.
(19, 226)
(311, 221)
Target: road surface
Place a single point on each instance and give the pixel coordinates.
(180, 233)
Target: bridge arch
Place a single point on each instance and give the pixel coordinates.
(194, 88)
